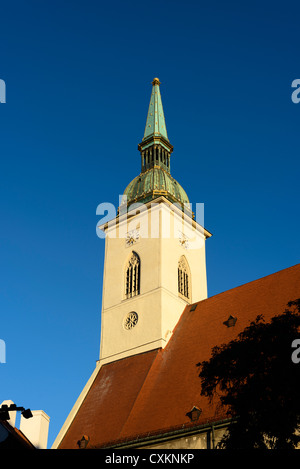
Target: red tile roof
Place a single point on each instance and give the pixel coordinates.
(152, 392)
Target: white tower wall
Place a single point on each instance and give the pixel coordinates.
(160, 246)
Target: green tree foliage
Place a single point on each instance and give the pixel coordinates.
(257, 383)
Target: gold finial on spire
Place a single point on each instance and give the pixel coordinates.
(156, 81)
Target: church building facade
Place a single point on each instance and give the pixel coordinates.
(156, 320)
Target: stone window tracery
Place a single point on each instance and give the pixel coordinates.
(132, 276)
(130, 320)
(184, 278)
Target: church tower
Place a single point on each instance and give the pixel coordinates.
(154, 252)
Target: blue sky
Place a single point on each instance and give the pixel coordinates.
(78, 82)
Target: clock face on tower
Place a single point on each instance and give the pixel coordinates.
(132, 237)
(130, 320)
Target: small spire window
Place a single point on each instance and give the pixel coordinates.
(132, 276)
(184, 279)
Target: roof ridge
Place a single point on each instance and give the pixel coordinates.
(18, 434)
(247, 283)
(188, 307)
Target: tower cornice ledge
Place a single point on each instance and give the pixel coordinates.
(152, 205)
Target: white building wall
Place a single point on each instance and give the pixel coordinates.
(158, 305)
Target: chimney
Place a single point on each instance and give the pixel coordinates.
(36, 428)
(12, 413)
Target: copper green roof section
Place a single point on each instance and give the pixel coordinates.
(155, 130)
(155, 124)
(155, 179)
(152, 184)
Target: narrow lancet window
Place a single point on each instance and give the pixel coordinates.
(184, 279)
(132, 276)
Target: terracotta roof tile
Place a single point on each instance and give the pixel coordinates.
(110, 400)
(152, 392)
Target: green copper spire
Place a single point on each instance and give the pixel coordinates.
(155, 147)
(154, 179)
(155, 124)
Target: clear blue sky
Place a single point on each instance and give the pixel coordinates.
(78, 80)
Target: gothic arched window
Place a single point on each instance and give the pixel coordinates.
(184, 279)
(132, 276)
